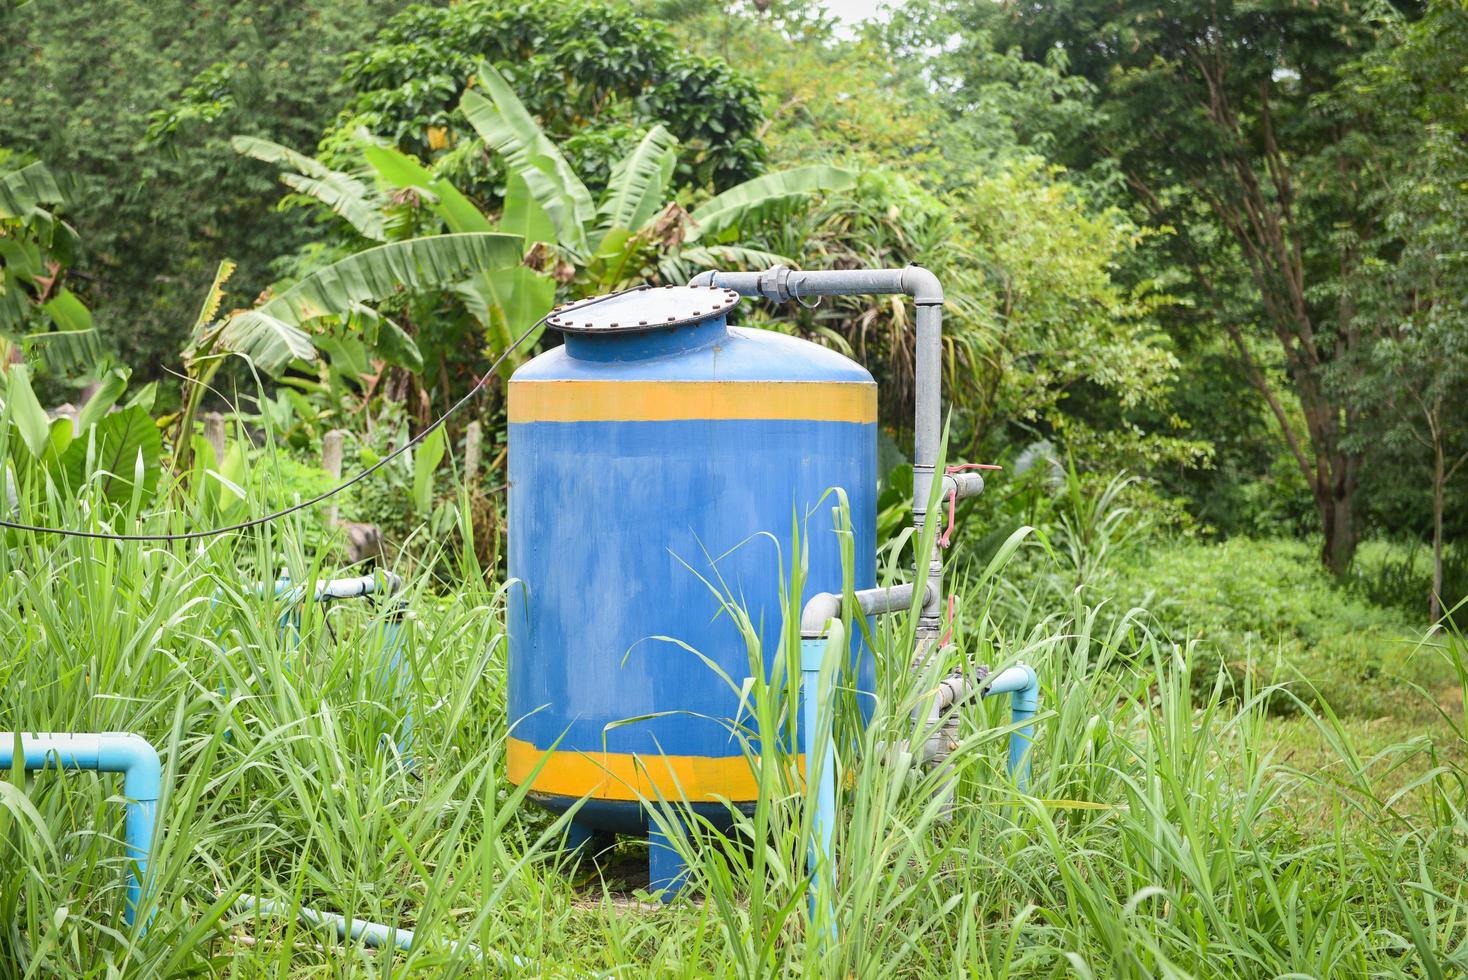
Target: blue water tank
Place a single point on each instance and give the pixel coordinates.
(657, 461)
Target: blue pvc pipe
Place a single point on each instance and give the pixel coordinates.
(393, 649)
(821, 757)
(142, 782)
(385, 583)
(373, 934)
(1023, 687)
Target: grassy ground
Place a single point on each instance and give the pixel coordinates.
(1178, 826)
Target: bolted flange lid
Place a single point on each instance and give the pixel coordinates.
(645, 309)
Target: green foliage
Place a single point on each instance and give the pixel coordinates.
(38, 311)
(605, 253)
(1265, 608)
(1166, 832)
(1405, 389)
(1041, 337)
(135, 101)
(115, 454)
(1231, 125)
(399, 196)
(593, 73)
(274, 334)
(1396, 575)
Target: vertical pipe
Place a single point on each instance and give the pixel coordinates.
(820, 761)
(927, 434)
(138, 823)
(1023, 686)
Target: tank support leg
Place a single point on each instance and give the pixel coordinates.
(667, 872)
(578, 839)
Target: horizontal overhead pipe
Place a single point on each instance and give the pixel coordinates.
(381, 583)
(142, 780)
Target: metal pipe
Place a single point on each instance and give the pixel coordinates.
(824, 607)
(142, 781)
(782, 284)
(385, 583)
(373, 934)
(1023, 686)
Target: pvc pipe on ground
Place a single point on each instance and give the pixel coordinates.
(373, 934)
(142, 780)
(1023, 687)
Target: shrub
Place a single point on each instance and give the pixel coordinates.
(1267, 608)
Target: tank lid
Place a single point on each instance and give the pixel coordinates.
(645, 309)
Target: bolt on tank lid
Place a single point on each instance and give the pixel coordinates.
(645, 309)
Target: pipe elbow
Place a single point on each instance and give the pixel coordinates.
(136, 759)
(1019, 681)
(819, 610)
(922, 286)
(705, 278)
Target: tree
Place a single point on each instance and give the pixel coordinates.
(133, 102)
(595, 74)
(273, 334)
(1044, 341)
(1409, 386)
(632, 232)
(1224, 123)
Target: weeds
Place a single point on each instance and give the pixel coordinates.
(1165, 835)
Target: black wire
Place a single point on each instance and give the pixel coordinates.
(277, 515)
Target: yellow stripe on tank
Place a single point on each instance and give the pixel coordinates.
(662, 401)
(615, 776)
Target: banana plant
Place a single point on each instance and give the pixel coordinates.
(276, 333)
(382, 201)
(37, 311)
(118, 451)
(634, 228)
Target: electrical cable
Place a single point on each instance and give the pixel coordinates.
(277, 515)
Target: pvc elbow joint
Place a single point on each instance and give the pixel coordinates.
(819, 610)
(1021, 682)
(131, 755)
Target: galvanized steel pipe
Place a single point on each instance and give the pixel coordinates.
(823, 607)
(142, 780)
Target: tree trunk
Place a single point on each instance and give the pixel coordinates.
(1338, 544)
(1439, 479)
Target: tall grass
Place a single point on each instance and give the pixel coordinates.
(1164, 835)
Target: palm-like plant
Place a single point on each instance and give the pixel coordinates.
(37, 311)
(633, 227)
(275, 333)
(384, 202)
